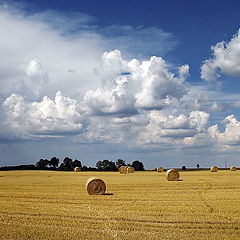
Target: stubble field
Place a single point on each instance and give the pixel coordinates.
(143, 205)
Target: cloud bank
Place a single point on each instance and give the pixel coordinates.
(65, 83)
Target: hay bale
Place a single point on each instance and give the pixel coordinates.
(172, 175)
(95, 186)
(130, 169)
(160, 169)
(77, 169)
(214, 169)
(123, 169)
(232, 168)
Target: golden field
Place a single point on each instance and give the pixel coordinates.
(142, 205)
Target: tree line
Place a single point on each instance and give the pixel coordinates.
(69, 164)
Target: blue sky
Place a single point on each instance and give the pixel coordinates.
(64, 90)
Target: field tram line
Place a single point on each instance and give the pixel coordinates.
(211, 208)
(103, 217)
(111, 223)
(114, 231)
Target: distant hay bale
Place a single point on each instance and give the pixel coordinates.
(123, 169)
(130, 169)
(233, 168)
(160, 169)
(214, 169)
(95, 186)
(172, 175)
(77, 169)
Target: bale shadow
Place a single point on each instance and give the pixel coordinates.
(108, 194)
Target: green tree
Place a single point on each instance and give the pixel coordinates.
(67, 165)
(184, 168)
(42, 164)
(120, 163)
(106, 165)
(54, 161)
(77, 163)
(138, 166)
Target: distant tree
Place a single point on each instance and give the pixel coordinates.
(77, 163)
(106, 165)
(42, 164)
(184, 168)
(20, 167)
(198, 166)
(28, 167)
(54, 161)
(120, 163)
(138, 166)
(67, 165)
(85, 168)
(99, 165)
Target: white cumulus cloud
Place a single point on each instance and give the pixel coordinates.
(225, 60)
(231, 134)
(127, 86)
(36, 72)
(48, 117)
(171, 129)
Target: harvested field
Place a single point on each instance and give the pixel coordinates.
(143, 205)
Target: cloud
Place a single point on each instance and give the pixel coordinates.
(231, 134)
(159, 86)
(59, 77)
(42, 119)
(127, 86)
(225, 60)
(171, 129)
(47, 52)
(67, 45)
(139, 41)
(219, 107)
(36, 72)
(226, 140)
(35, 50)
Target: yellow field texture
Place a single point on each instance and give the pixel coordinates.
(142, 205)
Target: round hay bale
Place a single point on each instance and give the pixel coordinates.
(123, 169)
(95, 186)
(160, 169)
(172, 175)
(214, 169)
(232, 168)
(77, 169)
(130, 169)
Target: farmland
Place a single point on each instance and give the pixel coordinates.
(142, 205)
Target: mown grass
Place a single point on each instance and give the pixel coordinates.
(144, 205)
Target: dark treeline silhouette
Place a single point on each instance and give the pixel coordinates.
(19, 167)
(68, 165)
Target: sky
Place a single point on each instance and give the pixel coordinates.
(155, 81)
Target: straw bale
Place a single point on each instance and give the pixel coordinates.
(123, 169)
(214, 169)
(130, 169)
(172, 175)
(77, 169)
(160, 169)
(95, 186)
(232, 168)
